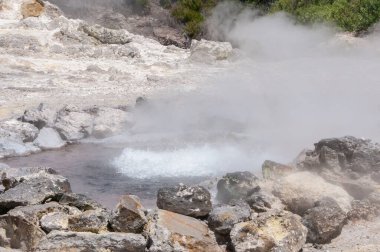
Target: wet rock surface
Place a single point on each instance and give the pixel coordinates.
(192, 201)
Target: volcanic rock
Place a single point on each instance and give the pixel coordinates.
(205, 50)
(54, 221)
(32, 8)
(58, 241)
(192, 201)
(80, 201)
(107, 36)
(168, 231)
(25, 131)
(273, 170)
(49, 138)
(109, 121)
(129, 215)
(236, 185)
(95, 221)
(223, 217)
(324, 222)
(300, 191)
(40, 117)
(270, 231)
(18, 233)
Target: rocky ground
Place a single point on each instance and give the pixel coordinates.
(48, 57)
(308, 206)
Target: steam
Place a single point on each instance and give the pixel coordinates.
(290, 86)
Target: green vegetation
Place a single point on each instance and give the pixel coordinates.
(350, 15)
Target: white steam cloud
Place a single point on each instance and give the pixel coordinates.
(290, 86)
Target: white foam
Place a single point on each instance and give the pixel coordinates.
(204, 160)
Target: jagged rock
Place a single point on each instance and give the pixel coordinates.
(300, 191)
(58, 241)
(362, 210)
(107, 36)
(34, 213)
(49, 138)
(18, 233)
(39, 117)
(168, 231)
(273, 170)
(192, 201)
(223, 217)
(236, 185)
(73, 124)
(270, 231)
(12, 144)
(169, 36)
(324, 221)
(205, 50)
(25, 131)
(263, 201)
(80, 201)
(129, 215)
(54, 221)
(32, 8)
(33, 189)
(95, 221)
(109, 121)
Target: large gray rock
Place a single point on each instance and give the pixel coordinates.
(223, 217)
(25, 131)
(192, 201)
(325, 221)
(40, 117)
(263, 201)
(236, 185)
(54, 221)
(59, 241)
(95, 221)
(273, 170)
(73, 124)
(209, 51)
(18, 233)
(129, 215)
(169, 232)
(32, 189)
(49, 138)
(34, 213)
(110, 121)
(80, 201)
(300, 191)
(12, 144)
(271, 231)
(107, 36)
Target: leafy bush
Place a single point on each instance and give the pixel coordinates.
(350, 15)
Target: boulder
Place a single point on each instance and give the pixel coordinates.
(270, 231)
(324, 221)
(32, 8)
(49, 138)
(129, 215)
(39, 117)
(107, 36)
(109, 121)
(208, 51)
(95, 221)
(168, 231)
(18, 233)
(300, 191)
(12, 144)
(170, 36)
(192, 201)
(273, 170)
(34, 213)
(32, 189)
(362, 210)
(236, 185)
(54, 221)
(263, 201)
(24, 131)
(223, 217)
(80, 201)
(58, 241)
(73, 124)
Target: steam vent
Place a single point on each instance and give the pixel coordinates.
(189, 126)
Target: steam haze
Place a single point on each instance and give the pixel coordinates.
(289, 86)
